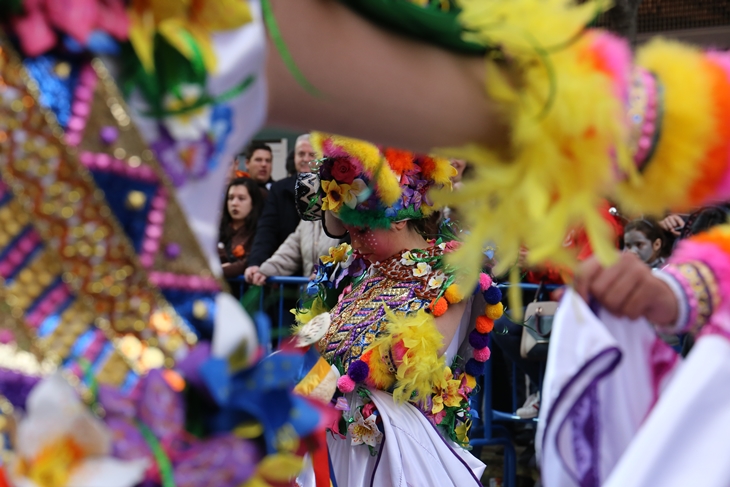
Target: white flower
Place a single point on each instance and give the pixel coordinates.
(442, 246)
(436, 280)
(191, 125)
(407, 258)
(60, 439)
(421, 269)
(354, 194)
(365, 430)
(349, 261)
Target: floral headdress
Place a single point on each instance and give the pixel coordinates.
(366, 185)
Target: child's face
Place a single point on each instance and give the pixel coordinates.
(638, 243)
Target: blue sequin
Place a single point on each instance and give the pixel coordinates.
(56, 93)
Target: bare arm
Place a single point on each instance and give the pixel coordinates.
(377, 85)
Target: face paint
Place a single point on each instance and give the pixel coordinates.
(376, 245)
(636, 242)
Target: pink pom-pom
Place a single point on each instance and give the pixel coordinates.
(484, 282)
(345, 384)
(482, 354)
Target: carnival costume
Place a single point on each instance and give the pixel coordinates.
(405, 408)
(97, 275)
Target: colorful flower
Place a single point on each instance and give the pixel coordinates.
(193, 124)
(334, 195)
(187, 26)
(421, 269)
(364, 430)
(437, 280)
(344, 170)
(446, 393)
(368, 410)
(60, 443)
(357, 193)
(337, 254)
(407, 258)
(462, 431)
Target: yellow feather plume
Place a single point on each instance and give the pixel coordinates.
(687, 130)
(421, 366)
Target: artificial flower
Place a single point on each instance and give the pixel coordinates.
(407, 258)
(344, 170)
(355, 193)
(437, 280)
(187, 26)
(41, 19)
(334, 195)
(364, 430)
(368, 410)
(446, 393)
(421, 269)
(183, 159)
(61, 444)
(337, 254)
(462, 430)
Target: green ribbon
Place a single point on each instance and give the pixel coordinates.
(163, 461)
(283, 50)
(204, 100)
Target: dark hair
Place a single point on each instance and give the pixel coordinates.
(225, 232)
(254, 146)
(649, 227)
(291, 168)
(426, 227)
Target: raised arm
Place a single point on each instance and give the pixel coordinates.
(376, 85)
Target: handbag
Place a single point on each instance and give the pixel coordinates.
(538, 324)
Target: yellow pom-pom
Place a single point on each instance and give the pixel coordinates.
(494, 311)
(453, 294)
(484, 324)
(439, 307)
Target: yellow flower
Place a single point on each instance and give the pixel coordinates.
(421, 269)
(462, 430)
(186, 24)
(337, 254)
(446, 393)
(334, 195)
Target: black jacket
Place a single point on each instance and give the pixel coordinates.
(279, 219)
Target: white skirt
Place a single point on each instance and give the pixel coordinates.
(412, 453)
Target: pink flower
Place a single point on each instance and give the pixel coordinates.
(344, 171)
(368, 410)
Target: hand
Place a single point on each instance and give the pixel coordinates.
(672, 223)
(258, 279)
(628, 288)
(249, 273)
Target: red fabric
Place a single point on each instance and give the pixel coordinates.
(320, 461)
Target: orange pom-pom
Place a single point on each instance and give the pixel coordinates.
(484, 324)
(439, 307)
(494, 311)
(453, 294)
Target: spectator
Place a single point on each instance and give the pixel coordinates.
(241, 212)
(259, 160)
(280, 217)
(645, 238)
(301, 250)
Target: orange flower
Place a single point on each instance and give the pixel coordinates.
(239, 251)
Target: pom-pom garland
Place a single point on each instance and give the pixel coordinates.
(358, 371)
(482, 354)
(485, 281)
(453, 294)
(478, 340)
(345, 384)
(474, 368)
(484, 324)
(439, 307)
(494, 311)
(493, 295)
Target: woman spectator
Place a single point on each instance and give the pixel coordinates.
(645, 238)
(241, 212)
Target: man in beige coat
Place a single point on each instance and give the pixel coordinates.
(302, 249)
